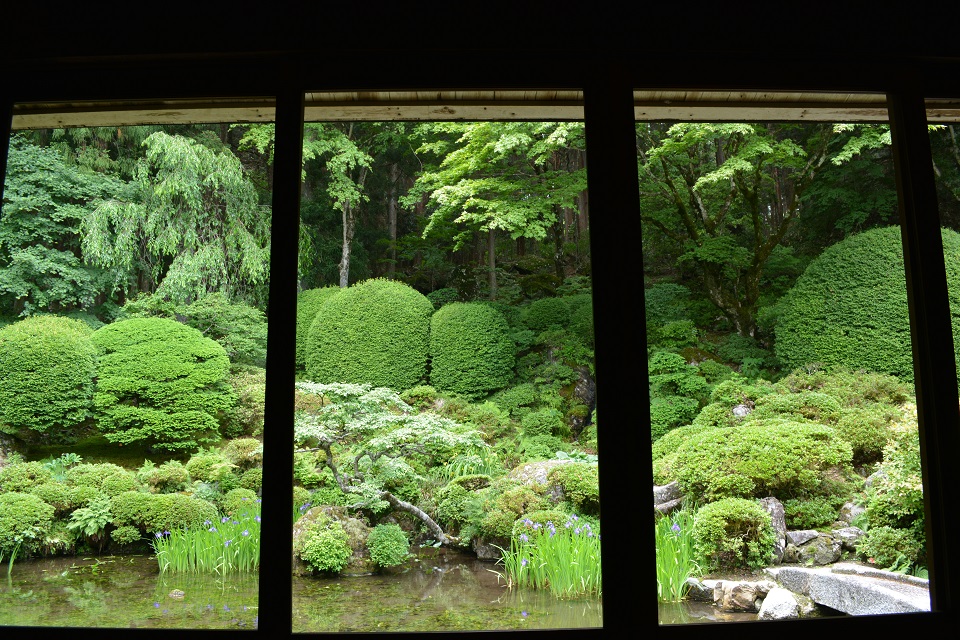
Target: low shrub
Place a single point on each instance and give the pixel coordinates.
(580, 483)
(889, 548)
(761, 458)
(324, 546)
(239, 500)
(25, 520)
(388, 545)
(732, 533)
(544, 313)
(170, 477)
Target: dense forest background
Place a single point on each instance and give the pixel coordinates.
(94, 218)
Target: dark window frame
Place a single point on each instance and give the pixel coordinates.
(615, 232)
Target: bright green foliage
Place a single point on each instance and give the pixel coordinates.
(891, 548)
(388, 545)
(309, 302)
(580, 484)
(105, 477)
(544, 313)
(471, 352)
(170, 477)
(759, 459)
(47, 365)
(895, 494)
(675, 562)
(91, 521)
(815, 406)
(160, 382)
(375, 332)
(44, 200)
(240, 328)
(849, 308)
(20, 476)
(210, 465)
(236, 500)
(244, 453)
(732, 533)
(250, 387)
(170, 511)
(324, 546)
(505, 502)
(542, 422)
(514, 177)
(677, 392)
(516, 400)
(24, 521)
(812, 512)
(189, 225)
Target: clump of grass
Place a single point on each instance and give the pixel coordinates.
(230, 545)
(675, 560)
(564, 559)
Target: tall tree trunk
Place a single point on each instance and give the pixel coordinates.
(349, 228)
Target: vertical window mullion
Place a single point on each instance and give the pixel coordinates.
(276, 599)
(934, 363)
(622, 396)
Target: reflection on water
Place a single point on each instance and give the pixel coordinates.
(447, 591)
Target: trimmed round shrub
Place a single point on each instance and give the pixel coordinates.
(544, 313)
(244, 453)
(732, 533)
(764, 458)
(209, 465)
(161, 383)
(471, 352)
(252, 479)
(581, 485)
(170, 477)
(388, 545)
(236, 501)
(849, 308)
(24, 520)
(324, 546)
(169, 511)
(105, 477)
(47, 368)
(309, 302)
(375, 332)
(21, 476)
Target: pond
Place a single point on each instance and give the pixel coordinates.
(436, 592)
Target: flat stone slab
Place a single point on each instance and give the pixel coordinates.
(856, 590)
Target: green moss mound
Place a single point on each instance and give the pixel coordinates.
(471, 352)
(161, 383)
(47, 366)
(849, 308)
(309, 302)
(375, 332)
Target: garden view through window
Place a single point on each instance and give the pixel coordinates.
(782, 404)
(445, 431)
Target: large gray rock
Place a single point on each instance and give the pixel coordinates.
(780, 604)
(856, 590)
(741, 595)
(822, 550)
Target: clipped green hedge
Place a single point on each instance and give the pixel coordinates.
(309, 302)
(762, 458)
(544, 313)
(849, 308)
(375, 332)
(733, 533)
(24, 520)
(160, 382)
(471, 352)
(47, 367)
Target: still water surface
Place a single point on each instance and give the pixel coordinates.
(446, 592)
